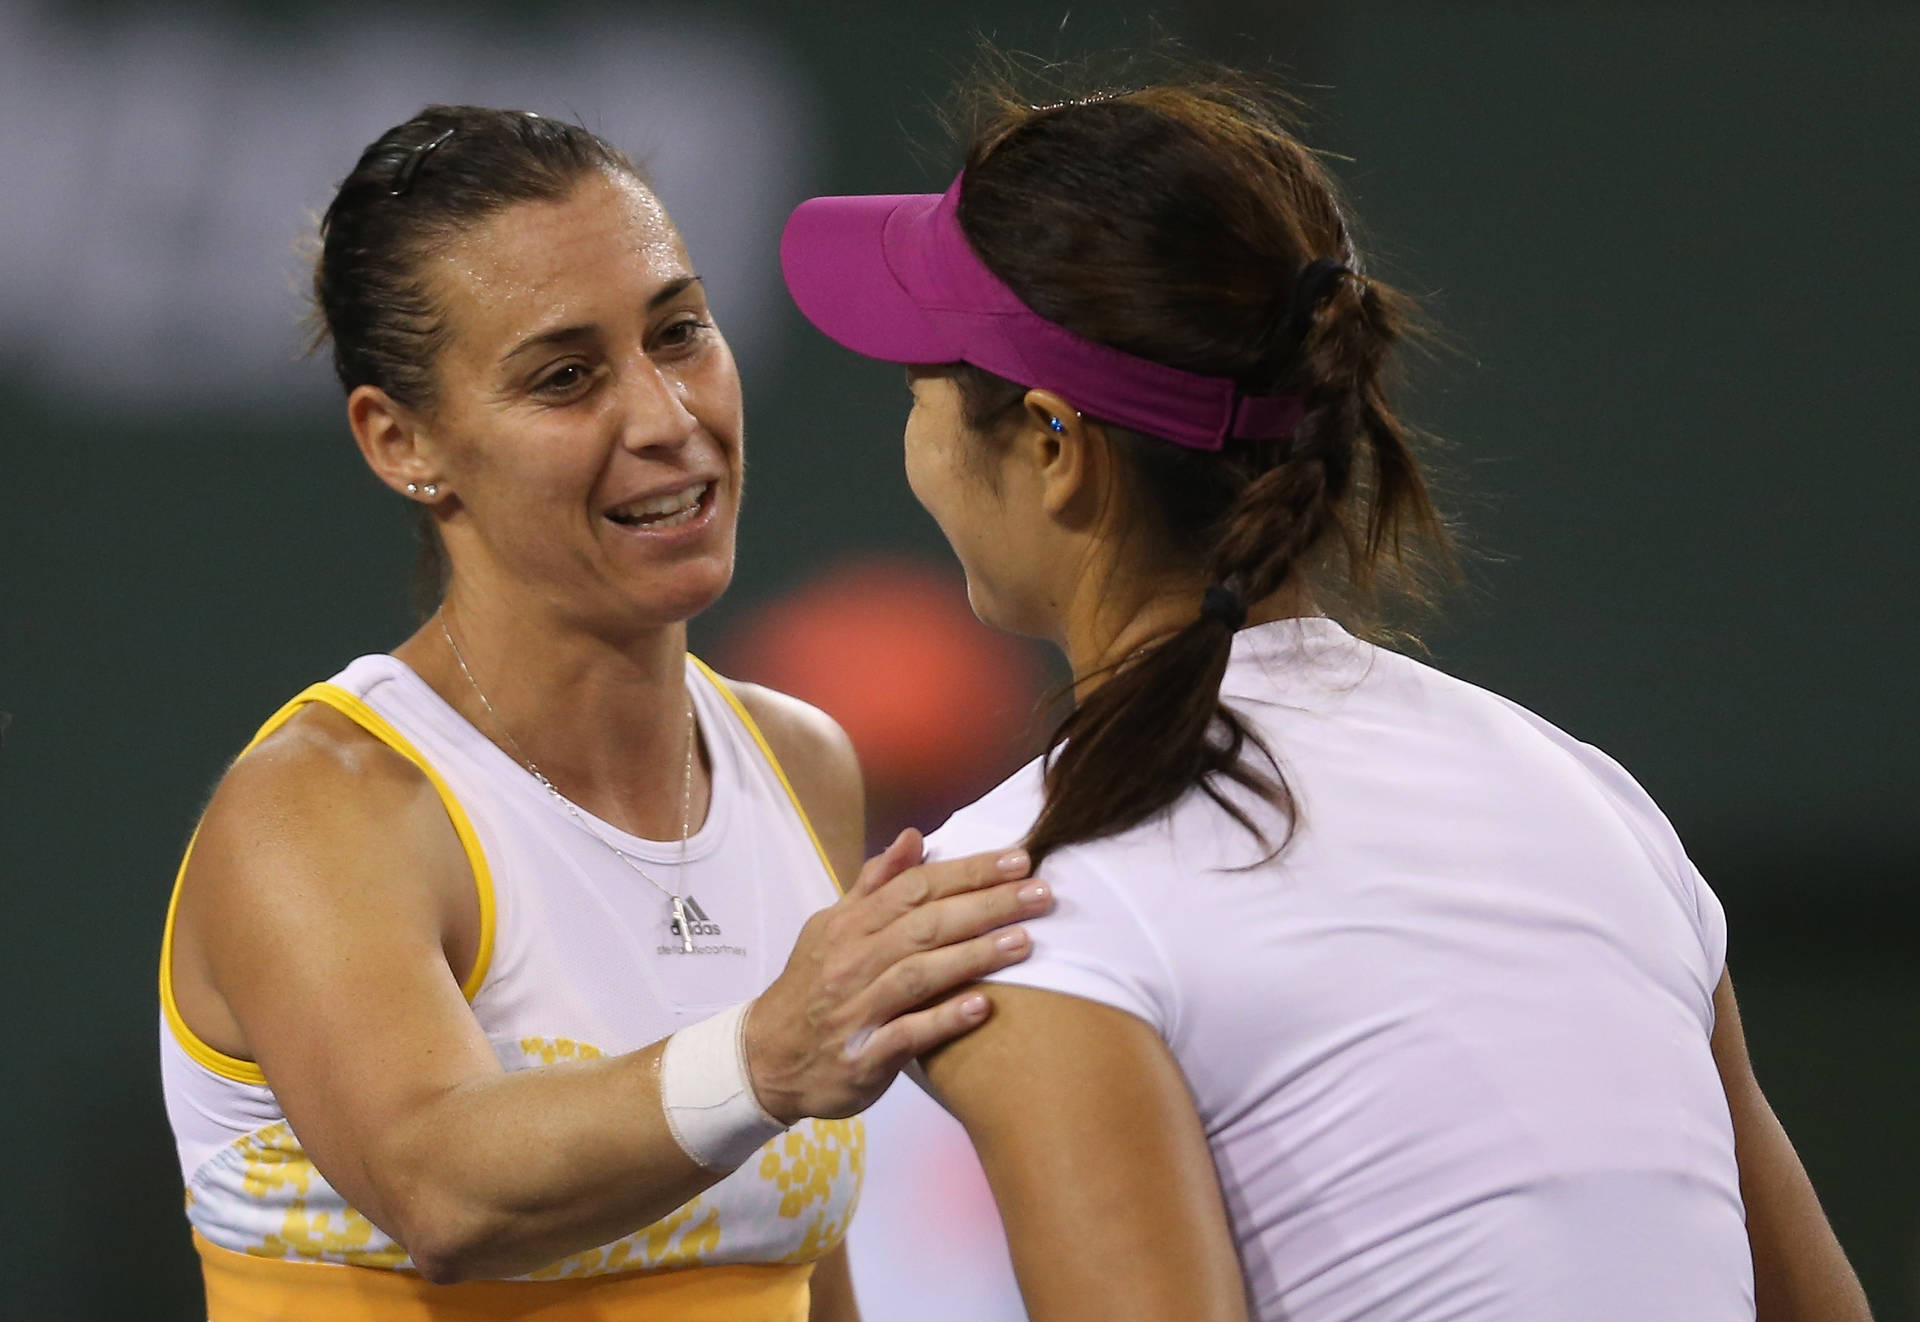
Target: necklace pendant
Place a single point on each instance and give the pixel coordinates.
(682, 925)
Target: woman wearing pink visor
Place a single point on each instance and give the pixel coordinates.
(1368, 994)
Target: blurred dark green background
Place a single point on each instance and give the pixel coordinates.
(1671, 245)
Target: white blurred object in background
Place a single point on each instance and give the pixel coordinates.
(927, 1244)
(166, 167)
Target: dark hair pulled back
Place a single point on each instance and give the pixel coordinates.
(1174, 222)
(417, 187)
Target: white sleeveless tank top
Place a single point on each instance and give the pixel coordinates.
(575, 960)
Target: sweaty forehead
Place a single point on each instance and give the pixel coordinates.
(537, 261)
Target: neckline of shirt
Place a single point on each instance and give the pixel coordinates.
(1292, 634)
(1301, 649)
(664, 853)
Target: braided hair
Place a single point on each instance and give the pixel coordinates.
(1184, 222)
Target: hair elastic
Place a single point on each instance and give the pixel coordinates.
(1222, 603)
(1312, 287)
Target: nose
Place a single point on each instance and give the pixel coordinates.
(656, 412)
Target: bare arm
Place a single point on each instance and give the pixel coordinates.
(1800, 1272)
(1090, 1140)
(320, 906)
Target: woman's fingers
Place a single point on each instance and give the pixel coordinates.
(947, 923)
(914, 888)
(861, 986)
(897, 1042)
(912, 983)
(907, 849)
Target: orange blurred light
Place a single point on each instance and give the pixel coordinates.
(934, 701)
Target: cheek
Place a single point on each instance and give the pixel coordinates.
(716, 388)
(951, 496)
(921, 467)
(960, 504)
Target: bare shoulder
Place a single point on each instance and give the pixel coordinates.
(802, 736)
(819, 761)
(319, 823)
(316, 772)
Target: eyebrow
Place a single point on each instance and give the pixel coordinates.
(566, 334)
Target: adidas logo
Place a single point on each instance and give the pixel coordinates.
(697, 921)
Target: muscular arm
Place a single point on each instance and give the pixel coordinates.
(1104, 1179)
(316, 926)
(329, 873)
(1800, 1272)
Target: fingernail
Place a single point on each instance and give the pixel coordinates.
(1015, 863)
(1012, 939)
(857, 1043)
(974, 1006)
(1033, 892)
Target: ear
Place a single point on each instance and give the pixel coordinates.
(1068, 453)
(393, 442)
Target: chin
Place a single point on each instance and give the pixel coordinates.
(991, 610)
(696, 588)
(664, 597)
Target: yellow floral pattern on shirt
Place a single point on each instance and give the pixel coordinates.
(277, 1167)
(805, 1164)
(681, 1239)
(264, 1197)
(553, 1050)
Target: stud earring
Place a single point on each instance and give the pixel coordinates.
(413, 488)
(430, 490)
(1056, 424)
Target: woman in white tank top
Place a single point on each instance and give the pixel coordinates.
(1369, 995)
(480, 989)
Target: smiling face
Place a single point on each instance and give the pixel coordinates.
(587, 413)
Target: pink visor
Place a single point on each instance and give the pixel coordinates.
(894, 278)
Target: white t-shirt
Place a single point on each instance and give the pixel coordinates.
(1450, 1048)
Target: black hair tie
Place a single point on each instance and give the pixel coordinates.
(1312, 287)
(410, 167)
(1222, 603)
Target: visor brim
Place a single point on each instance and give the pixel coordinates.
(833, 254)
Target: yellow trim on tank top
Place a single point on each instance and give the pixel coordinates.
(357, 711)
(766, 749)
(244, 1288)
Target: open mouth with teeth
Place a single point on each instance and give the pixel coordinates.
(664, 511)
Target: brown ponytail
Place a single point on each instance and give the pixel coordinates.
(1175, 222)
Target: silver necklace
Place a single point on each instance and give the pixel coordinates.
(681, 923)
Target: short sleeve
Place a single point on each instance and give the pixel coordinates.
(1643, 816)
(1662, 842)
(1095, 944)
(1712, 922)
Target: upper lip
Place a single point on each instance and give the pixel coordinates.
(655, 492)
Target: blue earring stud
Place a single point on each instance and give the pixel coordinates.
(1056, 424)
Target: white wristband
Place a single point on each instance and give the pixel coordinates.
(707, 1095)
